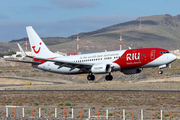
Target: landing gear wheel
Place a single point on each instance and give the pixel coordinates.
(160, 72)
(91, 77)
(109, 77)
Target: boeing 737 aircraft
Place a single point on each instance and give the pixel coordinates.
(131, 61)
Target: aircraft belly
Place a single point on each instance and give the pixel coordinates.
(116, 67)
(157, 62)
(66, 70)
(56, 69)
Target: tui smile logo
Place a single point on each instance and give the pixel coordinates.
(33, 47)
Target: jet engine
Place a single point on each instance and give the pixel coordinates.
(101, 68)
(132, 71)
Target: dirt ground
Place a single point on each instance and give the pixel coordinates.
(150, 84)
(95, 100)
(13, 76)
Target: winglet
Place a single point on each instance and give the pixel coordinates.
(22, 52)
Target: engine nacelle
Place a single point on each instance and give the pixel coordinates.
(101, 68)
(132, 71)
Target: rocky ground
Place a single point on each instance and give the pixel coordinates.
(93, 101)
(147, 80)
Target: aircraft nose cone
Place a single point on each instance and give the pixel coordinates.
(173, 57)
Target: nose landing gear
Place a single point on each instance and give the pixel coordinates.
(160, 71)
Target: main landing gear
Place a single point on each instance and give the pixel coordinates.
(109, 77)
(91, 77)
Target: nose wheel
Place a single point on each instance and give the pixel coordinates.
(160, 71)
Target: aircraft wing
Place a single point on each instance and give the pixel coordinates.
(24, 61)
(69, 64)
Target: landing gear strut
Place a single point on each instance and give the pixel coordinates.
(109, 77)
(91, 77)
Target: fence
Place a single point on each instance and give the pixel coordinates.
(27, 112)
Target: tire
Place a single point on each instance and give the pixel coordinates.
(107, 77)
(92, 77)
(111, 77)
(160, 72)
(89, 77)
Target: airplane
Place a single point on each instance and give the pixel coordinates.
(130, 61)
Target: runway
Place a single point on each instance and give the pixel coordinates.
(132, 91)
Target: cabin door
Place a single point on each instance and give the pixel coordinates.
(152, 54)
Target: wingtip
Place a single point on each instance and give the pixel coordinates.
(28, 27)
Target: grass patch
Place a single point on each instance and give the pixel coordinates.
(52, 111)
(158, 117)
(74, 104)
(50, 75)
(36, 103)
(32, 75)
(61, 104)
(110, 99)
(96, 82)
(45, 103)
(67, 103)
(28, 111)
(173, 98)
(85, 109)
(110, 113)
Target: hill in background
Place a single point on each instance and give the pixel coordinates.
(156, 31)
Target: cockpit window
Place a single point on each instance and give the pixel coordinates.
(164, 52)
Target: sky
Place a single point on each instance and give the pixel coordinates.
(63, 18)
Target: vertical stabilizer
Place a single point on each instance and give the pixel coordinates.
(38, 48)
